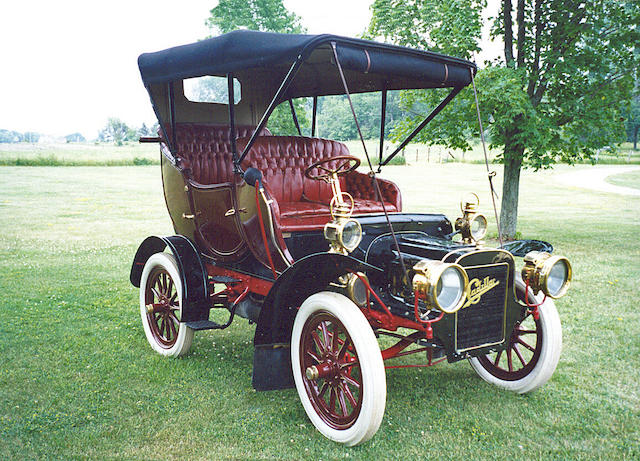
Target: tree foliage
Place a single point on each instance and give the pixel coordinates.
(262, 15)
(555, 94)
(631, 113)
(335, 120)
(7, 136)
(117, 131)
(452, 27)
(74, 137)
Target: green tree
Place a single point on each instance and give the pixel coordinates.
(335, 120)
(554, 95)
(115, 131)
(75, 137)
(265, 16)
(262, 15)
(632, 118)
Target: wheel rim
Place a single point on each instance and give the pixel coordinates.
(522, 352)
(336, 394)
(163, 309)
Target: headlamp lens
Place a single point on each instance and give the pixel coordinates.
(557, 278)
(351, 235)
(478, 227)
(450, 289)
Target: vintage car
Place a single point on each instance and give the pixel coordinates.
(286, 232)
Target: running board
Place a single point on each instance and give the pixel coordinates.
(206, 325)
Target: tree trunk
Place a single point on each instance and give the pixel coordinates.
(635, 138)
(513, 155)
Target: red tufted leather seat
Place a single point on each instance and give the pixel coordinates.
(302, 203)
(205, 150)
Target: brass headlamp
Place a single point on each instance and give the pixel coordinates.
(443, 286)
(343, 233)
(472, 225)
(551, 274)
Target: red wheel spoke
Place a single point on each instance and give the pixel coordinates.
(325, 336)
(332, 400)
(515, 349)
(155, 293)
(323, 389)
(173, 328)
(343, 349)
(165, 281)
(341, 401)
(169, 286)
(173, 298)
(167, 328)
(528, 352)
(335, 343)
(348, 365)
(350, 397)
(336, 396)
(317, 342)
(349, 380)
(173, 316)
(313, 356)
(531, 348)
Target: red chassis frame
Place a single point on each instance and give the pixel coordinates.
(243, 284)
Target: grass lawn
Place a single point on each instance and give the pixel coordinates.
(78, 379)
(629, 179)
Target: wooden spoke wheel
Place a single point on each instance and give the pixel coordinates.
(338, 368)
(161, 306)
(532, 353)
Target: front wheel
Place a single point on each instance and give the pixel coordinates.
(338, 368)
(161, 306)
(532, 352)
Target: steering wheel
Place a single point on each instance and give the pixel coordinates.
(348, 163)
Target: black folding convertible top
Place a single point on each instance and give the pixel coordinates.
(371, 66)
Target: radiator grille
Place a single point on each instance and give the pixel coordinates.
(481, 322)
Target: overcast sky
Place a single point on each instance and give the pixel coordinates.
(68, 65)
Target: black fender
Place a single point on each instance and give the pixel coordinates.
(522, 247)
(272, 341)
(194, 278)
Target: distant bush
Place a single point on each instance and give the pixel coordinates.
(143, 161)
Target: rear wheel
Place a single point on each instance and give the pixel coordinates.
(161, 306)
(338, 368)
(532, 352)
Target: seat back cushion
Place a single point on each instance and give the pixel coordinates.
(283, 161)
(206, 150)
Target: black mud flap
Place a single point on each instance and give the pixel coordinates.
(272, 367)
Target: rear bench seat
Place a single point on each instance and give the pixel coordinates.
(205, 150)
(302, 203)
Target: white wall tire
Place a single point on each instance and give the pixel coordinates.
(346, 402)
(520, 368)
(161, 306)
